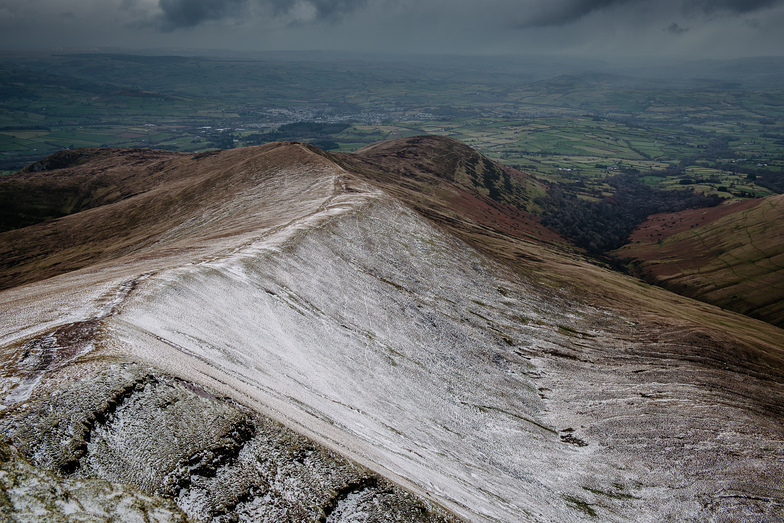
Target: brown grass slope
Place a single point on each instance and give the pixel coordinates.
(89, 205)
(71, 181)
(151, 204)
(178, 203)
(731, 256)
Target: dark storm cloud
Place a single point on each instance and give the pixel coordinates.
(562, 12)
(731, 6)
(675, 29)
(325, 9)
(178, 14)
(679, 27)
(565, 12)
(184, 14)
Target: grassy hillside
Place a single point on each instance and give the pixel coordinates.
(124, 202)
(731, 256)
(56, 186)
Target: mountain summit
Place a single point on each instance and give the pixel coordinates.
(281, 334)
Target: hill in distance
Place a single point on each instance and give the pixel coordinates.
(731, 255)
(280, 334)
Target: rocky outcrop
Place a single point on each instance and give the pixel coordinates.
(28, 493)
(177, 443)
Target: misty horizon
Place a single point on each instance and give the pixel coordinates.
(608, 29)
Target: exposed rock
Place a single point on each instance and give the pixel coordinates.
(28, 494)
(172, 439)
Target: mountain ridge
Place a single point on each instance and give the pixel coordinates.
(504, 382)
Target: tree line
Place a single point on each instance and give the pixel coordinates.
(604, 225)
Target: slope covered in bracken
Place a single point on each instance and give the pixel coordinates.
(281, 334)
(731, 256)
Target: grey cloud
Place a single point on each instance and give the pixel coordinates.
(184, 14)
(179, 14)
(675, 29)
(730, 6)
(562, 12)
(696, 27)
(325, 9)
(565, 12)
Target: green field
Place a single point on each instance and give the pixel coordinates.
(569, 128)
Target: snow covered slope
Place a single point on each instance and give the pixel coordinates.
(314, 299)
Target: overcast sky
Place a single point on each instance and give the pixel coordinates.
(687, 28)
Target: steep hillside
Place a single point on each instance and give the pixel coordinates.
(71, 181)
(160, 203)
(279, 334)
(463, 191)
(731, 256)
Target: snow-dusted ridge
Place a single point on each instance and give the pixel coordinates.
(321, 326)
(356, 322)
